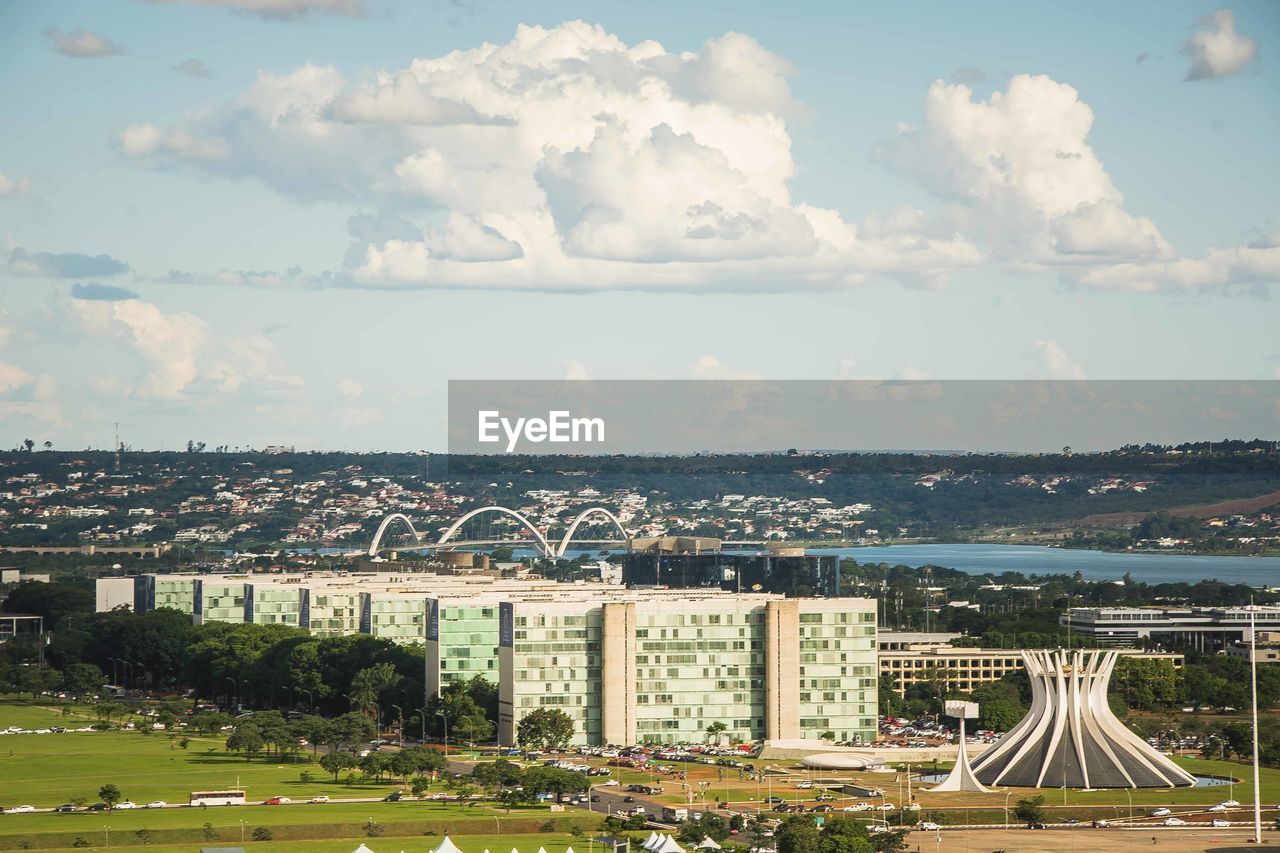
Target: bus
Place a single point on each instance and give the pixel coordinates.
(217, 798)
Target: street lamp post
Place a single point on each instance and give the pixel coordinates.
(1006, 809)
(442, 715)
(115, 678)
(1130, 796)
(236, 684)
(422, 715)
(128, 672)
(311, 699)
(400, 715)
(107, 830)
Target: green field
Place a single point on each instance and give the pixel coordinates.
(555, 842)
(47, 770)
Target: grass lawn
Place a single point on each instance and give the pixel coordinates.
(553, 842)
(312, 823)
(46, 770)
(14, 712)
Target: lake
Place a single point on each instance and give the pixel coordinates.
(1094, 565)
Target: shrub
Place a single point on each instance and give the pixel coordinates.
(261, 833)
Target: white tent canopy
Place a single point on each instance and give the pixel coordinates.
(648, 842)
(670, 846)
(362, 849)
(446, 846)
(655, 841)
(708, 843)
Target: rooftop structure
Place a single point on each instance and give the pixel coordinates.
(1202, 628)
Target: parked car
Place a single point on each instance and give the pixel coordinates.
(65, 808)
(277, 801)
(126, 805)
(628, 799)
(20, 810)
(1158, 812)
(319, 798)
(1219, 822)
(773, 799)
(1218, 808)
(157, 804)
(98, 807)
(929, 825)
(393, 797)
(1174, 821)
(1231, 804)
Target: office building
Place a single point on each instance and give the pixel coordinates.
(1202, 628)
(628, 665)
(963, 669)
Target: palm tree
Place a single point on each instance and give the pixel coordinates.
(368, 684)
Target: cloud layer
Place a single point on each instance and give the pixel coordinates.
(567, 159)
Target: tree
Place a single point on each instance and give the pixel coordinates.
(247, 739)
(261, 833)
(375, 764)
(56, 602)
(473, 728)
(797, 834)
(83, 679)
(1030, 810)
(709, 825)
(110, 795)
(999, 715)
(842, 835)
(336, 762)
(549, 728)
(368, 684)
(714, 730)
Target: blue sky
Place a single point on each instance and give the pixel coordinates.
(341, 204)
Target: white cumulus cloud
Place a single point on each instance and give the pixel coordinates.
(563, 159)
(281, 9)
(567, 159)
(181, 355)
(80, 43)
(13, 187)
(1217, 50)
(1055, 362)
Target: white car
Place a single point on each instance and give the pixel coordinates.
(1231, 804)
(912, 807)
(157, 804)
(20, 810)
(1218, 808)
(126, 805)
(1174, 821)
(929, 825)
(885, 807)
(1159, 812)
(1219, 822)
(321, 798)
(610, 784)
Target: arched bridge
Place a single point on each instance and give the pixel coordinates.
(537, 538)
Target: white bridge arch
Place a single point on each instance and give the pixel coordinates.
(582, 516)
(382, 528)
(544, 545)
(547, 550)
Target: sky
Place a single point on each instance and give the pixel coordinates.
(252, 222)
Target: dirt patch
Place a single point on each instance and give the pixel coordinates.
(1240, 505)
